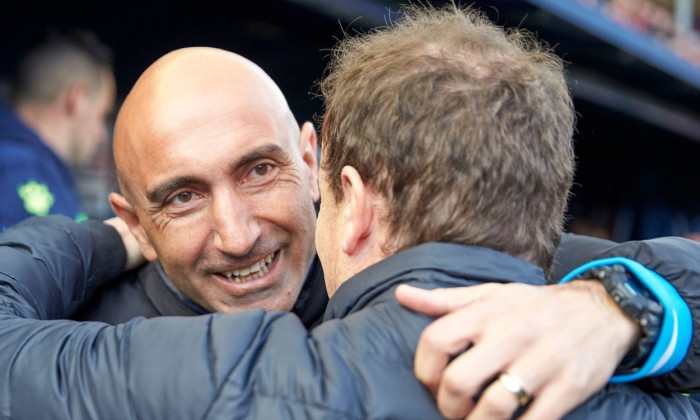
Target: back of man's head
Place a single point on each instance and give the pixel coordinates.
(465, 129)
(54, 61)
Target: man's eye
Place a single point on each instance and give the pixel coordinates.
(261, 173)
(183, 197)
(262, 169)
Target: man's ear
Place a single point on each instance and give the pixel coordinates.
(308, 145)
(127, 213)
(357, 211)
(76, 97)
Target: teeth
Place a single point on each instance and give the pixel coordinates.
(253, 272)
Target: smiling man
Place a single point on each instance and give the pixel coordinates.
(218, 186)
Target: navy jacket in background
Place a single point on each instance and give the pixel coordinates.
(33, 179)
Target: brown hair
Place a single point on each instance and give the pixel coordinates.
(464, 127)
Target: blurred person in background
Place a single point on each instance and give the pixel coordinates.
(62, 91)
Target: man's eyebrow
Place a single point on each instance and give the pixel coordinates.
(270, 150)
(160, 191)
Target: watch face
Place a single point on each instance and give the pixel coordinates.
(635, 301)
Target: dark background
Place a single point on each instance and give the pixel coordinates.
(638, 139)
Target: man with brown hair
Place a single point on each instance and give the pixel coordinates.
(359, 362)
(467, 161)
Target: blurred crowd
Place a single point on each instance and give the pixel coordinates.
(654, 18)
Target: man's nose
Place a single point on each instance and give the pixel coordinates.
(236, 228)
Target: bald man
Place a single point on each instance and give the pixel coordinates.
(218, 184)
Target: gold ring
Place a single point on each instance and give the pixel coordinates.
(515, 385)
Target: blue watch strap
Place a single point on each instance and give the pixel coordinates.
(676, 327)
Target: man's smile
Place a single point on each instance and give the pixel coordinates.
(255, 271)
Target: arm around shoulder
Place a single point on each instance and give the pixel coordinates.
(49, 265)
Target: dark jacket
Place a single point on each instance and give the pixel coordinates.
(253, 364)
(145, 292)
(33, 179)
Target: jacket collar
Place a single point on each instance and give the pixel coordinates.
(14, 130)
(161, 292)
(313, 298)
(443, 263)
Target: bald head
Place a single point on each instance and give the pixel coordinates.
(184, 91)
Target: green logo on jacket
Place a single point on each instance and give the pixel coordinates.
(36, 197)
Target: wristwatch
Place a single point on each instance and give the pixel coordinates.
(666, 330)
(635, 301)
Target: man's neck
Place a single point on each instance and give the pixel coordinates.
(47, 123)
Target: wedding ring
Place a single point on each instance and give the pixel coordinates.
(515, 385)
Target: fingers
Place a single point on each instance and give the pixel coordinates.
(563, 382)
(438, 302)
(496, 402)
(562, 341)
(453, 333)
(420, 300)
(465, 377)
(134, 257)
(553, 402)
(560, 369)
(439, 341)
(532, 370)
(450, 335)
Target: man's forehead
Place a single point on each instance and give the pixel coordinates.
(170, 126)
(177, 114)
(189, 109)
(210, 78)
(198, 149)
